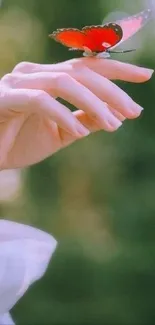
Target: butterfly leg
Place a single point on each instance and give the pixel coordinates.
(87, 52)
(103, 55)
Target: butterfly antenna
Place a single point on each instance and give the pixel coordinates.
(122, 51)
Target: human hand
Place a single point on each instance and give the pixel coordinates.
(34, 125)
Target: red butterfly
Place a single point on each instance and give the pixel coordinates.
(99, 40)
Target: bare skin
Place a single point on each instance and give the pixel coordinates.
(34, 124)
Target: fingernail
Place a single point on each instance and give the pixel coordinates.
(114, 123)
(150, 72)
(107, 121)
(81, 130)
(136, 109)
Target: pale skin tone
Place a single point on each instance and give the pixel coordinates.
(34, 124)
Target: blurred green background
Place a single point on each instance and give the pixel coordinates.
(97, 197)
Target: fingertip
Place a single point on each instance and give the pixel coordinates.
(135, 74)
(117, 70)
(147, 73)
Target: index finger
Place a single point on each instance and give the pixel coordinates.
(116, 70)
(108, 68)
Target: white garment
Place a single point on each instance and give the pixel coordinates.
(24, 256)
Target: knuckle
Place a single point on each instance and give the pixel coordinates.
(61, 79)
(12, 80)
(78, 64)
(7, 78)
(39, 97)
(23, 67)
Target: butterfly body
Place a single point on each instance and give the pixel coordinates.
(101, 39)
(87, 52)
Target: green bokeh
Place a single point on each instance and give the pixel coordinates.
(96, 197)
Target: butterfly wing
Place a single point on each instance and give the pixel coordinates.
(70, 37)
(93, 38)
(100, 38)
(131, 25)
